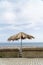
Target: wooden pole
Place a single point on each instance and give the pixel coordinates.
(20, 55)
(21, 46)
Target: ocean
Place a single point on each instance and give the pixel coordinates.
(33, 44)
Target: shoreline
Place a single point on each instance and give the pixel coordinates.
(18, 47)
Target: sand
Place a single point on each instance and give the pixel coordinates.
(21, 61)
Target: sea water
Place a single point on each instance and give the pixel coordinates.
(34, 44)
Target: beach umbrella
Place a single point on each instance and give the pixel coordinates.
(21, 36)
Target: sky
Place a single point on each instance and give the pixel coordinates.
(21, 16)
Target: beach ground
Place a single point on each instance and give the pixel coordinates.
(21, 61)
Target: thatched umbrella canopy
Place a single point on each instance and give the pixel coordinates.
(21, 36)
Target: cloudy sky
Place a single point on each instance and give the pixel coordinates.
(21, 16)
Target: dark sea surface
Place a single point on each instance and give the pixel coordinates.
(36, 44)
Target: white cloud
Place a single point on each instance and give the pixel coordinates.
(33, 12)
(11, 27)
(30, 10)
(6, 5)
(30, 26)
(8, 16)
(37, 28)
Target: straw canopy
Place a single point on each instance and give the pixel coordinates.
(20, 35)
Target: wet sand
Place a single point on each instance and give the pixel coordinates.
(21, 61)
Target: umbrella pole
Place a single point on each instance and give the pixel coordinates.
(21, 49)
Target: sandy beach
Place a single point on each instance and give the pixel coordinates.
(21, 61)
